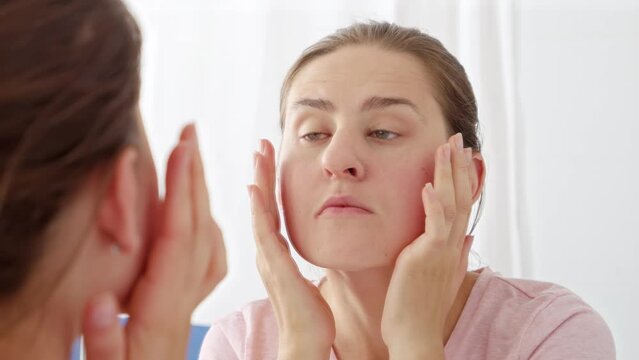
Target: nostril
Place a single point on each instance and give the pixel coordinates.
(352, 171)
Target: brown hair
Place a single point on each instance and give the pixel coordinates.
(69, 86)
(453, 93)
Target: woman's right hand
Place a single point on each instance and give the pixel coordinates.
(305, 321)
(186, 261)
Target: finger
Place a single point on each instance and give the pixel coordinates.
(263, 229)
(443, 182)
(178, 218)
(460, 165)
(282, 279)
(269, 153)
(210, 251)
(210, 245)
(188, 132)
(176, 223)
(435, 223)
(201, 200)
(103, 335)
(468, 243)
(263, 184)
(275, 261)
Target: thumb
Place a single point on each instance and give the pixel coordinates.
(103, 335)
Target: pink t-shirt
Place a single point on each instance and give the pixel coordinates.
(503, 319)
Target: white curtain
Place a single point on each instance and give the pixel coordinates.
(221, 63)
(557, 83)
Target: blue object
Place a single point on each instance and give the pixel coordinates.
(193, 351)
(195, 341)
(75, 350)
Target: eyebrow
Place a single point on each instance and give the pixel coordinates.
(376, 102)
(372, 103)
(319, 104)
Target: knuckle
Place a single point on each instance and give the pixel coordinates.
(464, 209)
(438, 241)
(450, 213)
(437, 236)
(179, 231)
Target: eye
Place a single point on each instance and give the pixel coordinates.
(314, 136)
(383, 134)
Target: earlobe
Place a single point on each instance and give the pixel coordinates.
(477, 175)
(117, 212)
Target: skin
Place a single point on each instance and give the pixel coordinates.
(160, 271)
(396, 275)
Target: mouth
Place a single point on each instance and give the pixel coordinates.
(343, 205)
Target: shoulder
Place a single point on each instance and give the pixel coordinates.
(535, 319)
(249, 333)
(562, 325)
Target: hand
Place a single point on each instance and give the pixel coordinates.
(305, 321)
(429, 271)
(186, 261)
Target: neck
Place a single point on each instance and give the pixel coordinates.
(357, 302)
(42, 334)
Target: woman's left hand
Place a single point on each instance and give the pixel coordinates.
(429, 271)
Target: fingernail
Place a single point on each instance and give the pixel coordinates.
(189, 141)
(459, 142)
(103, 313)
(468, 154)
(250, 193)
(263, 146)
(430, 191)
(195, 137)
(186, 155)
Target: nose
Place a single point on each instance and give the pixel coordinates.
(340, 159)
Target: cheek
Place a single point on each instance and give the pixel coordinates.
(408, 178)
(406, 212)
(297, 204)
(290, 184)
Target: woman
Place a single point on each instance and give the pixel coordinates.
(380, 164)
(83, 234)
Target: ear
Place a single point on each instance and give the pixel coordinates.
(117, 212)
(477, 175)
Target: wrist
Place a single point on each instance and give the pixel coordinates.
(296, 354)
(417, 350)
(417, 354)
(159, 341)
(293, 351)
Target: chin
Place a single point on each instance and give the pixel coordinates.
(339, 253)
(348, 265)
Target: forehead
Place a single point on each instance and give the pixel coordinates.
(364, 70)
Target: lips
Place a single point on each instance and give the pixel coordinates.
(343, 205)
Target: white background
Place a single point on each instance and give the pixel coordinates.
(558, 90)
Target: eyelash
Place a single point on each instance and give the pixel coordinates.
(310, 136)
(379, 134)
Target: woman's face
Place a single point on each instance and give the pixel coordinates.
(362, 126)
